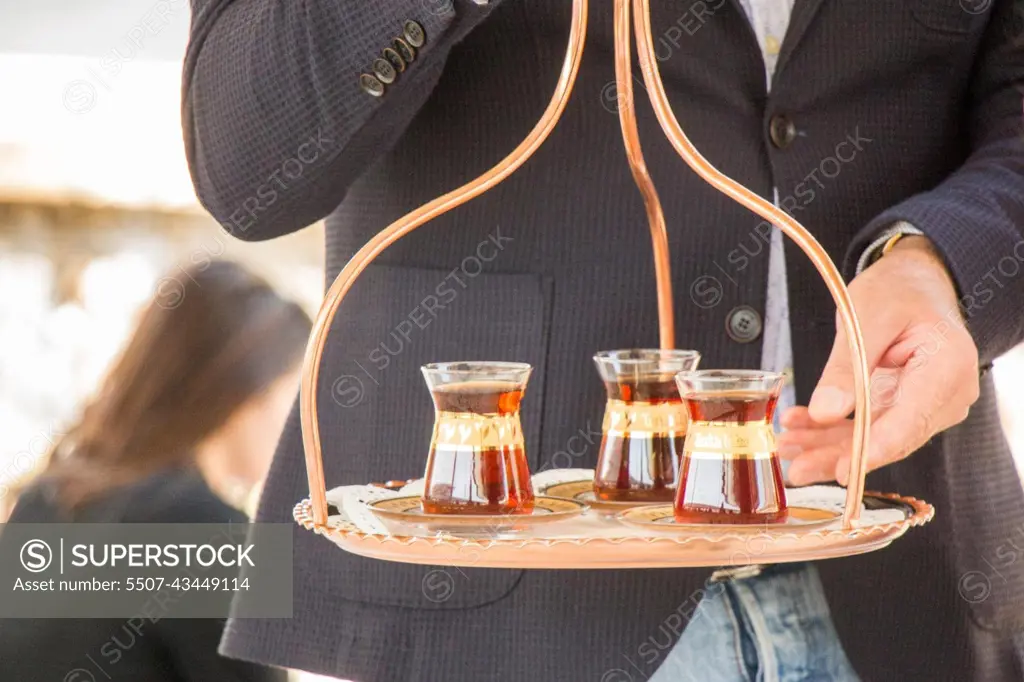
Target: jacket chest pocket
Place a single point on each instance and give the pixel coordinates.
(376, 414)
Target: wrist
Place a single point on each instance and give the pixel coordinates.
(922, 248)
(917, 253)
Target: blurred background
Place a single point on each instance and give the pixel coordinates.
(96, 206)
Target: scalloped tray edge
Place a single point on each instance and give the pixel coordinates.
(923, 513)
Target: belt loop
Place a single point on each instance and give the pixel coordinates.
(736, 573)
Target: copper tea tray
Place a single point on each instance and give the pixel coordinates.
(697, 549)
(713, 548)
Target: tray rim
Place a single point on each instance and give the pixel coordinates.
(923, 512)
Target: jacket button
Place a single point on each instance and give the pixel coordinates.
(395, 59)
(403, 48)
(371, 85)
(414, 34)
(384, 71)
(743, 324)
(782, 131)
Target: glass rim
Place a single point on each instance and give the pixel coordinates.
(731, 374)
(655, 355)
(765, 380)
(475, 366)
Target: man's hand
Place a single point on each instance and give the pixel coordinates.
(923, 364)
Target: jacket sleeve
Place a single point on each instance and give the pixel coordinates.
(275, 122)
(976, 216)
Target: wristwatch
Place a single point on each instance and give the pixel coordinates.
(884, 242)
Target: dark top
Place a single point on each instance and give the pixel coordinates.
(169, 650)
(882, 111)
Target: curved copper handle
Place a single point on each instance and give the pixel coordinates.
(540, 132)
(793, 229)
(631, 138)
(403, 226)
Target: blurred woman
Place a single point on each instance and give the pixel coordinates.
(183, 427)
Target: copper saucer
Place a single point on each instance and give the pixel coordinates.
(583, 491)
(403, 515)
(661, 519)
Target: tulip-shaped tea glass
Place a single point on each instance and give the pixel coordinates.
(477, 462)
(730, 470)
(644, 424)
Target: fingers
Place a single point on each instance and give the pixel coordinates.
(930, 400)
(884, 392)
(910, 422)
(797, 418)
(821, 452)
(815, 467)
(792, 444)
(833, 398)
(813, 450)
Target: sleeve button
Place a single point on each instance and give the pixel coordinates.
(371, 85)
(404, 49)
(384, 70)
(395, 59)
(414, 34)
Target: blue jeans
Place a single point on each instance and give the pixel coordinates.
(774, 627)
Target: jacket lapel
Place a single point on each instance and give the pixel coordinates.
(803, 14)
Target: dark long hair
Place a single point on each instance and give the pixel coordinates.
(213, 337)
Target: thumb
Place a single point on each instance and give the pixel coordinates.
(833, 398)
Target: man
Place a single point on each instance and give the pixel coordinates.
(892, 123)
